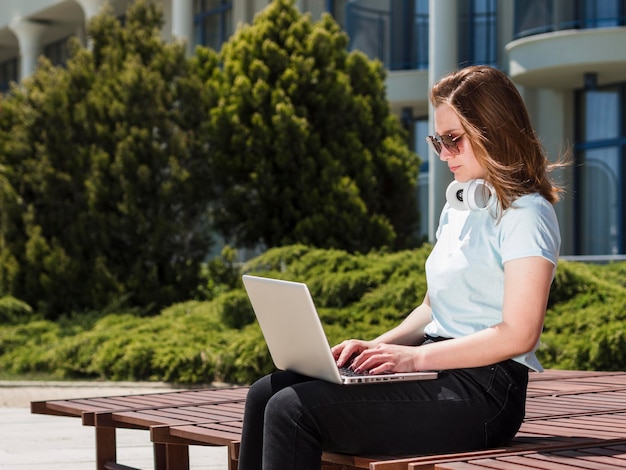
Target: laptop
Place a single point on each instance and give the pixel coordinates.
(294, 335)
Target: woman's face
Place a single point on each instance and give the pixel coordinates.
(464, 165)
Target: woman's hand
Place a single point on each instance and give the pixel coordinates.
(345, 352)
(386, 358)
(365, 356)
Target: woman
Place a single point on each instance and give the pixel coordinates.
(488, 276)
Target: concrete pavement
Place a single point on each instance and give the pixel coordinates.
(37, 442)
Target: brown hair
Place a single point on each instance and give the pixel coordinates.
(499, 129)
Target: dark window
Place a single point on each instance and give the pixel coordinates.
(8, 74)
(478, 40)
(213, 22)
(602, 13)
(394, 32)
(337, 8)
(57, 52)
(600, 171)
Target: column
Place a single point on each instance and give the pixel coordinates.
(182, 22)
(442, 58)
(29, 35)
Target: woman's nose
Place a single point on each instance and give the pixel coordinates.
(445, 155)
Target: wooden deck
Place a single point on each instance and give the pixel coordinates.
(574, 419)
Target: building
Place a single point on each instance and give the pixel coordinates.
(567, 57)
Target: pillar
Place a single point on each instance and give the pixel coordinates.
(442, 58)
(29, 35)
(182, 22)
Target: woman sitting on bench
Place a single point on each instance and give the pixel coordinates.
(488, 275)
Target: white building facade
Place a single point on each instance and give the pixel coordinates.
(568, 58)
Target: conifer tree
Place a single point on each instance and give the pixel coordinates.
(306, 149)
(104, 176)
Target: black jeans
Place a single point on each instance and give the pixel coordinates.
(289, 418)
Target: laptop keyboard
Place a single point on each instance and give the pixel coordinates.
(348, 372)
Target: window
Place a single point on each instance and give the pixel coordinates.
(212, 22)
(478, 41)
(8, 74)
(394, 31)
(603, 13)
(421, 149)
(601, 171)
(337, 8)
(57, 52)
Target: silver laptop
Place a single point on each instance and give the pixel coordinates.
(295, 337)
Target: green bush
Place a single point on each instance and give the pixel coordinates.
(199, 342)
(235, 309)
(586, 319)
(28, 348)
(106, 173)
(14, 311)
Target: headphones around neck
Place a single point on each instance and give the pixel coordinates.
(472, 195)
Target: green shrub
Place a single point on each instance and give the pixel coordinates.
(28, 348)
(235, 310)
(14, 311)
(358, 296)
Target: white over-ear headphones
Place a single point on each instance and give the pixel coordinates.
(472, 195)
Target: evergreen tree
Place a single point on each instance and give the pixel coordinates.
(104, 177)
(306, 149)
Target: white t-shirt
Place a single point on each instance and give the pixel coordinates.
(465, 270)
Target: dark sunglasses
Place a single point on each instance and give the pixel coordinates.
(439, 141)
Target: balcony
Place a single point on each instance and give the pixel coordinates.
(558, 42)
(545, 16)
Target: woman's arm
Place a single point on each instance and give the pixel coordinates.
(526, 288)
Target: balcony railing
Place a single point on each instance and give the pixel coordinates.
(544, 16)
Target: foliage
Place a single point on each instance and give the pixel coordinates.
(107, 168)
(306, 149)
(218, 340)
(587, 329)
(14, 311)
(220, 274)
(115, 169)
(357, 295)
(104, 175)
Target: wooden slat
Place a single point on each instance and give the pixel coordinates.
(172, 416)
(600, 426)
(78, 407)
(583, 404)
(608, 457)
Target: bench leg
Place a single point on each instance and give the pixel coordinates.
(160, 456)
(106, 450)
(233, 456)
(177, 457)
(171, 457)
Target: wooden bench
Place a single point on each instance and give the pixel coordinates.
(605, 456)
(565, 410)
(106, 445)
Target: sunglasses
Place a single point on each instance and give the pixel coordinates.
(439, 141)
